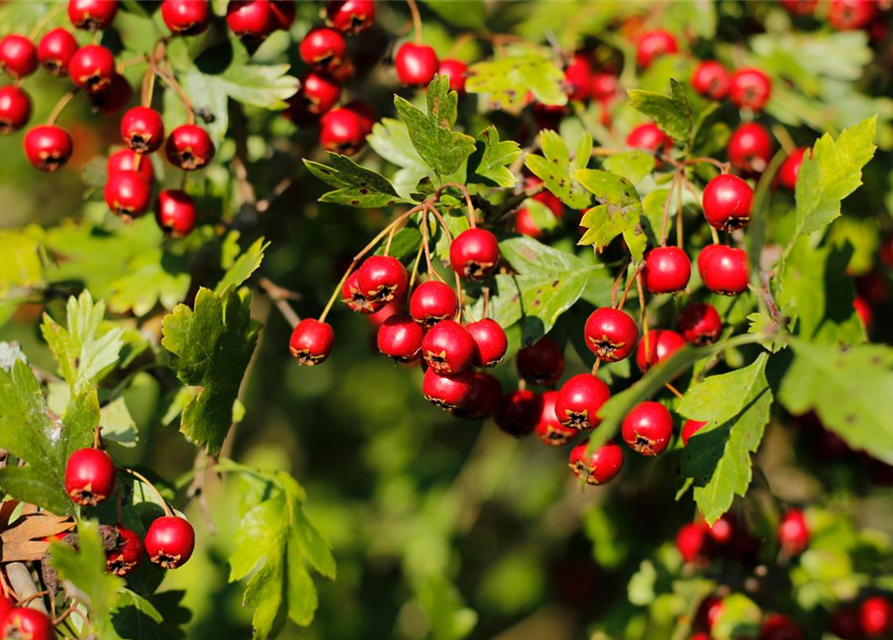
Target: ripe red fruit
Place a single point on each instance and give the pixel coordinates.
(690, 428)
(700, 324)
(29, 624)
(448, 348)
(722, 532)
(653, 45)
(400, 338)
(90, 476)
(542, 362)
(114, 97)
(661, 345)
(416, 64)
(282, 14)
(708, 612)
(599, 467)
(342, 130)
(323, 48)
(186, 17)
(353, 297)
(92, 15)
(126, 160)
(127, 554)
(711, 79)
(845, 624)
(876, 616)
(55, 51)
(433, 301)
(249, 19)
(350, 16)
(577, 77)
(127, 193)
(6, 605)
(311, 341)
(15, 108)
(142, 129)
(545, 197)
(170, 541)
(780, 627)
(603, 86)
(474, 254)
(692, 542)
(793, 533)
(610, 334)
(175, 212)
(92, 68)
(845, 15)
(365, 113)
(382, 278)
(750, 88)
(18, 56)
(484, 400)
(800, 7)
(667, 270)
(647, 429)
(189, 147)
(727, 202)
(548, 429)
(864, 311)
(579, 401)
(490, 342)
(649, 138)
(750, 148)
(448, 392)
(518, 412)
(456, 71)
(724, 269)
(790, 169)
(48, 147)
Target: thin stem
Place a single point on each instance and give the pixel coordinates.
(679, 222)
(715, 235)
(387, 246)
(63, 102)
(673, 390)
(468, 203)
(171, 81)
(784, 138)
(280, 298)
(616, 285)
(145, 481)
(415, 267)
(416, 20)
(725, 167)
(427, 248)
(598, 363)
(486, 302)
(644, 313)
(665, 221)
(45, 21)
(629, 284)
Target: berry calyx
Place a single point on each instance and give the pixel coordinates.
(249, 19)
(518, 413)
(750, 89)
(750, 148)
(18, 56)
(790, 169)
(456, 71)
(92, 15)
(319, 93)
(542, 362)
(48, 147)
(400, 338)
(690, 428)
(711, 79)
(448, 392)
(548, 429)
(189, 147)
(127, 194)
(661, 344)
(127, 554)
(780, 627)
(15, 108)
(484, 400)
(353, 297)
(692, 542)
(90, 476)
(647, 428)
(142, 129)
(700, 324)
(416, 64)
(433, 301)
(170, 542)
(653, 45)
(579, 401)
(724, 269)
(311, 342)
(667, 270)
(649, 138)
(126, 160)
(448, 348)
(28, 624)
(323, 48)
(876, 616)
(599, 467)
(92, 68)
(343, 131)
(186, 17)
(727, 202)
(175, 212)
(610, 334)
(382, 279)
(474, 254)
(490, 342)
(350, 16)
(55, 51)
(793, 533)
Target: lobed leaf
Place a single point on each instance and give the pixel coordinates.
(672, 114)
(356, 186)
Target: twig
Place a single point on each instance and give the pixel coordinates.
(280, 297)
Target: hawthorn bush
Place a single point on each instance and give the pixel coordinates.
(454, 266)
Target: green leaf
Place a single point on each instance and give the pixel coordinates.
(118, 426)
(213, 345)
(632, 165)
(508, 80)
(672, 114)
(851, 390)
(442, 149)
(620, 212)
(491, 159)
(390, 140)
(640, 590)
(461, 13)
(450, 618)
(739, 617)
(19, 259)
(242, 268)
(356, 186)
(555, 169)
(735, 407)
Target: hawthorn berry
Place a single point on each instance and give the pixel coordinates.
(541, 362)
(484, 400)
(311, 342)
(780, 627)
(790, 169)
(699, 323)
(690, 428)
(189, 147)
(249, 19)
(599, 467)
(170, 542)
(127, 194)
(48, 147)
(6, 605)
(750, 88)
(142, 129)
(92, 15)
(175, 212)
(722, 532)
(15, 108)
(800, 7)
(29, 624)
(448, 392)
(456, 71)
(186, 17)
(518, 412)
(793, 533)
(579, 401)
(382, 278)
(692, 542)
(384, 311)
(490, 342)
(55, 50)
(649, 138)
(724, 269)
(750, 148)
(474, 254)
(647, 428)
(653, 45)
(577, 77)
(708, 612)
(92, 68)
(353, 297)
(433, 301)
(661, 344)
(711, 79)
(323, 48)
(319, 93)
(848, 15)
(127, 160)
(114, 97)
(448, 347)
(350, 16)
(416, 64)
(127, 554)
(90, 476)
(667, 270)
(610, 334)
(864, 311)
(876, 616)
(525, 225)
(727, 202)
(282, 14)
(845, 624)
(548, 429)
(342, 130)
(545, 197)
(365, 113)
(400, 338)
(18, 56)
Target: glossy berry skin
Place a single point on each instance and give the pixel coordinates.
(610, 334)
(448, 348)
(142, 129)
(323, 48)
(599, 467)
(383, 278)
(92, 68)
(127, 194)
(750, 148)
(189, 147)
(249, 19)
(653, 45)
(649, 138)
(548, 429)
(126, 160)
(692, 542)
(311, 342)
(579, 400)
(175, 212)
(727, 202)
(790, 169)
(490, 342)
(667, 270)
(170, 542)
(648, 428)
(400, 338)
(92, 15)
(750, 89)
(800, 7)
(6, 605)
(846, 15)
(793, 533)
(474, 254)
(448, 392)
(723, 531)
(114, 97)
(724, 269)
(711, 79)
(342, 130)
(845, 624)
(350, 16)
(18, 56)
(28, 624)
(876, 616)
(542, 362)
(90, 476)
(127, 555)
(484, 400)
(577, 77)
(353, 297)
(186, 17)
(518, 413)
(433, 301)
(700, 324)
(603, 86)
(780, 627)
(15, 108)
(48, 147)
(56, 50)
(690, 428)
(456, 71)
(416, 64)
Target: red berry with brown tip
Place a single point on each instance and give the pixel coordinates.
(474, 254)
(579, 400)
(661, 344)
(750, 88)
(48, 147)
(845, 624)
(727, 202)
(90, 476)
(342, 131)
(518, 412)
(186, 17)
(127, 194)
(416, 64)
(382, 278)
(667, 270)
(692, 542)
(456, 71)
(282, 14)
(127, 554)
(790, 169)
(780, 627)
(700, 324)
(647, 428)
(126, 160)
(92, 15)
(800, 8)
(649, 138)
(142, 129)
(490, 342)
(876, 616)
(690, 428)
(448, 348)
(711, 79)
(542, 362)
(484, 400)
(599, 467)
(847, 15)
(354, 298)
(92, 68)
(175, 213)
(350, 16)
(323, 48)
(189, 147)
(55, 50)
(610, 334)
(170, 542)
(724, 269)
(433, 301)
(400, 338)
(311, 342)
(548, 429)
(112, 98)
(793, 533)
(448, 392)
(28, 624)
(750, 148)
(249, 19)
(15, 108)
(653, 45)
(18, 56)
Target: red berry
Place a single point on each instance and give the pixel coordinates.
(448, 348)
(653, 45)
(545, 197)
(577, 77)
(724, 269)
(484, 400)
(170, 541)
(114, 97)
(342, 131)
(845, 624)
(692, 542)
(249, 19)
(800, 7)
(750, 89)
(127, 554)
(28, 624)
(189, 147)
(142, 129)
(433, 301)
(18, 56)
(186, 17)
(126, 160)
(690, 428)
(175, 213)
(525, 225)
(456, 71)
(15, 108)
(384, 311)
(90, 476)
(864, 311)
(603, 86)
(92, 68)
(708, 612)
(365, 113)
(127, 193)
(650, 138)
(48, 147)
(382, 278)
(474, 254)
(490, 342)
(542, 362)
(750, 148)
(282, 14)
(711, 79)
(661, 345)
(92, 15)
(518, 412)
(548, 429)
(6, 605)
(790, 169)
(876, 616)
(400, 338)
(323, 48)
(350, 16)
(723, 531)
(727, 202)
(55, 51)
(311, 342)
(448, 392)
(793, 533)
(780, 627)
(700, 324)
(579, 401)
(610, 334)
(599, 467)
(353, 297)
(416, 64)
(845, 15)
(647, 429)
(667, 270)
